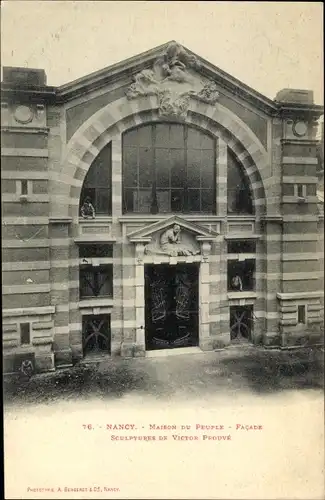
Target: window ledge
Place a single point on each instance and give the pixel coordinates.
(241, 256)
(98, 219)
(94, 238)
(243, 236)
(158, 217)
(97, 302)
(28, 311)
(299, 295)
(241, 295)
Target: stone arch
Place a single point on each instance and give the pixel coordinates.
(108, 124)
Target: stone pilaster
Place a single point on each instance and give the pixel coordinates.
(221, 178)
(60, 287)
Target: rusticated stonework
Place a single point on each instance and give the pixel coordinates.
(171, 81)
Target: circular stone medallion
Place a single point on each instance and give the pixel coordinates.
(299, 129)
(23, 114)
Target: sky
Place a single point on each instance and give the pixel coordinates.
(267, 45)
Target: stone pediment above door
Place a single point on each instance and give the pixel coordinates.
(173, 237)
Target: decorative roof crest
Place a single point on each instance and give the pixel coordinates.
(170, 80)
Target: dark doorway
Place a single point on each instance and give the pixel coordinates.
(96, 334)
(171, 306)
(241, 323)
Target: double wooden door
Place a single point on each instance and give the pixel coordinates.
(171, 300)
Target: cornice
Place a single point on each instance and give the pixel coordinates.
(28, 94)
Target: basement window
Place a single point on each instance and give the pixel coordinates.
(302, 314)
(24, 333)
(241, 323)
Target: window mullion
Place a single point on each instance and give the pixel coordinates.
(154, 203)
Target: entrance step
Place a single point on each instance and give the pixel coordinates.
(173, 352)
(94, 358)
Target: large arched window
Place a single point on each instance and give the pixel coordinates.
(97, 183)
(239, 195)
(168, 168)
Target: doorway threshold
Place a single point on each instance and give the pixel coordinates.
(94, 358)
(158, 353)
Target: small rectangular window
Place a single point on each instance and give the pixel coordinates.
(241, 246)
(24, 333)
(302, 314)
(24, 187)
(96, 281)
(93, 251)
(300, 190)
(241, 275)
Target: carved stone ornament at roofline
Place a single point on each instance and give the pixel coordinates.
(172, 82)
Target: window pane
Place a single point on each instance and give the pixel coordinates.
(142, 200)
(145, 167)
(91, 177)
(207, 200)
(178, 168)
(25, 333)
(162, 136)
(194, 200)
(207, 169)
(176, 136)
(177, 200)
(130, 158)
(130, 138)
(193, 168)
(128, 200)
(163, 200)
(105, 281)
(207, 142)
(144, 137)
(193, 138)
(86, 282)
(162, 161)
(102, 201)
(102, 169)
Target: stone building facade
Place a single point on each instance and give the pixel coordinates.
(156, 204)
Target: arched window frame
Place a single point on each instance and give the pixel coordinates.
(239, 193)
(97, 185)
(181, 195)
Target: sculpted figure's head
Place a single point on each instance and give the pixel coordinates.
(176, 228)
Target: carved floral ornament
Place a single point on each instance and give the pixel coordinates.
(173, 84)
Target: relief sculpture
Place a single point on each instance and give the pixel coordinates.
(171, 80)
(170, 243)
